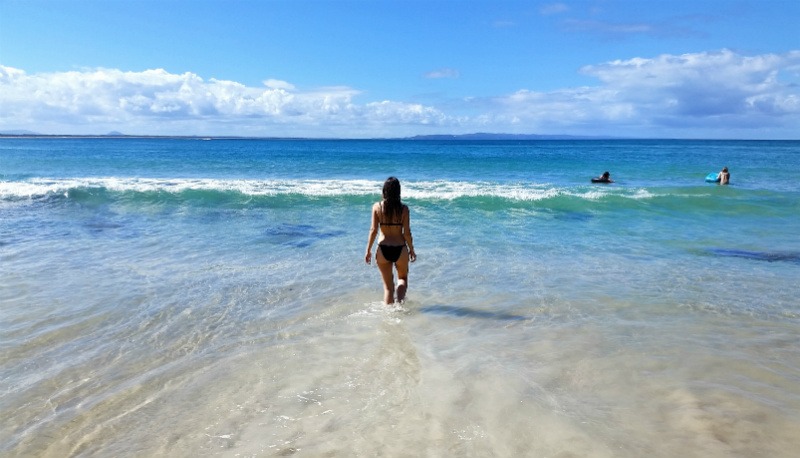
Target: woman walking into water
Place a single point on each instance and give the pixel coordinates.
(395, 245)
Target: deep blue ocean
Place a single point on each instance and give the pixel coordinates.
(185, 297)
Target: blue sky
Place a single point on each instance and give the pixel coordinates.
(381, 68)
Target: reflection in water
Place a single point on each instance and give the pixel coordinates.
(472, 313)
(769, 256)
(299, 235)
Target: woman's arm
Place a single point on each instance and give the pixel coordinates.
(412, 256)
(373, 232)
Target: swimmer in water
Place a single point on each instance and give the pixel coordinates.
(604, 178)
(724, 177)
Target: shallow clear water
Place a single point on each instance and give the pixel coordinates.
(180, 297)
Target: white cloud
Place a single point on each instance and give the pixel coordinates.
(675, 27)
(702, 84)
(152, 99)
(443, 73)
(693, 92)
(278, 84)
(720, 93)
(553, 8)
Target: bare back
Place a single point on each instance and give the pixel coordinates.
(391, 232)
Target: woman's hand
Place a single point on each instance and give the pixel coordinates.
(411, 255)
(368, 257)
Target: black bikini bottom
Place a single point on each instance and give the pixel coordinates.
(391, 252)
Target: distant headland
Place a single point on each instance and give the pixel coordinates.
(488, 136)
(439, 137)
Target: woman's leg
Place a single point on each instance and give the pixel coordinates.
(387, 275)
(402, 275)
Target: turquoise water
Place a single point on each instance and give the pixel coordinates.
(185, 297)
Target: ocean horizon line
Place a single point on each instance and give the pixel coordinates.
(432, 137)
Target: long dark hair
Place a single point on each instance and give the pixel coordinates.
(392, 205)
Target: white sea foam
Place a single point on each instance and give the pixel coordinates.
(436, 190)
